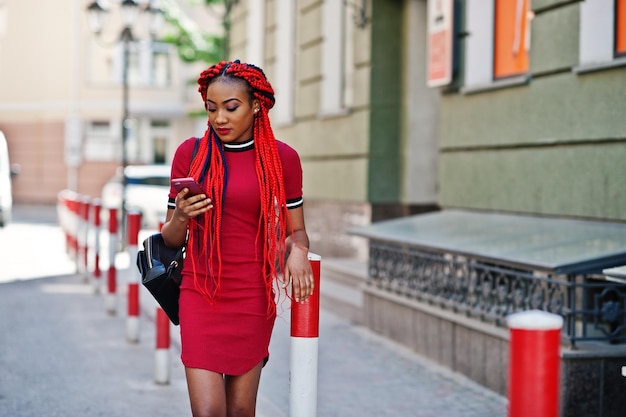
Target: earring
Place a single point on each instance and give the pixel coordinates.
(256, 110)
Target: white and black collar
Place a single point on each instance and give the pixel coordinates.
(239, 146)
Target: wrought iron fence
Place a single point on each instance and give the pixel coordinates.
(593, 309)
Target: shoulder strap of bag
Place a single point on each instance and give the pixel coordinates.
(195, 152)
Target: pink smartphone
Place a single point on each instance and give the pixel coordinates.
(194, 188)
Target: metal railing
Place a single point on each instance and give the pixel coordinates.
(592, 309)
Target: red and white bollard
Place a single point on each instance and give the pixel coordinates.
(85, 206)
(132, 278)
(97, 274)
(111, 304)
(80, 234)
(162, 353)
(163, 340)
(534, 363)
(72, 206)
(305, 319)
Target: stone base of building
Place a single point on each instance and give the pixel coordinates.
(591, 375)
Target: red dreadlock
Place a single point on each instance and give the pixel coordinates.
(210, 159)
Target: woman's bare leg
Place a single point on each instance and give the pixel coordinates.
(206, 392)
(241, 392)
(213, 395)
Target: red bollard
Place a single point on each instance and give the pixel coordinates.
(80, 234)
(305, 319)
(132, 276)
(112, 273)
(86, 205)
(534, 363)
(97, 208)
(162, 354)
(72, 205)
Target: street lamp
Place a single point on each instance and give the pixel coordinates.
(130, 9)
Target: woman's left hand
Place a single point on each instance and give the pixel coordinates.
(298, 270)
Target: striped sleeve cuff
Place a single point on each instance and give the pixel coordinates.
(295, 203)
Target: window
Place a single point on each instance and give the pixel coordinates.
(160, 65)
(497, 47)
(285, 52)
(337, 59)
(512, 38)
(602, 42)
(332, 63)
(148, 64)
(255, 51)
(100, 142)
(159, 132)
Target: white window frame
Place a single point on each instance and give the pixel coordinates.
(597, 37)
(479, 59)
(285, 67)
(255, 47)
(479, 20)
(144, 52)
(332, 59)
(101, 144)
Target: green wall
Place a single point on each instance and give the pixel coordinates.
(553, 146)
(385, 171)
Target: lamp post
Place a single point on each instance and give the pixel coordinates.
(130, 9)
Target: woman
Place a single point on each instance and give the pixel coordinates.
(244, 232)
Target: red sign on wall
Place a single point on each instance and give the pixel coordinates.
(440, 15)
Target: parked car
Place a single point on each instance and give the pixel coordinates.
(147, 188)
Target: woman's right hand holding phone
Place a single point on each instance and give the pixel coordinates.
(189, 206)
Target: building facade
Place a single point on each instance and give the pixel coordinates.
(61, 106)
(536, 126)
(513, 116)
(530, 121)
(351, 97)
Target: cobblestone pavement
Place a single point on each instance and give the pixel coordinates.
(363, 374)
(359, 373)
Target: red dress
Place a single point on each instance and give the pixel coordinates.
(232, 334)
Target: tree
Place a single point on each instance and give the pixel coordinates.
(192, 44)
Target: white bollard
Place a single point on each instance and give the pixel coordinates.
(304, 350)
(132, 277)
(162, 353)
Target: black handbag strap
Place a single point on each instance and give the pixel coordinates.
(195, 152)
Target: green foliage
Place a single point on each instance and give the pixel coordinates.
(192, 44)
(209, 49)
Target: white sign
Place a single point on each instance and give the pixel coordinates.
(440, 29)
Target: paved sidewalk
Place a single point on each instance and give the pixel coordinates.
(363, 374)
(360, 373)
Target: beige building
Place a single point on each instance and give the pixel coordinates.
(61, 96)
(352, 122)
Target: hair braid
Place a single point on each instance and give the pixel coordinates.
(273, 217)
